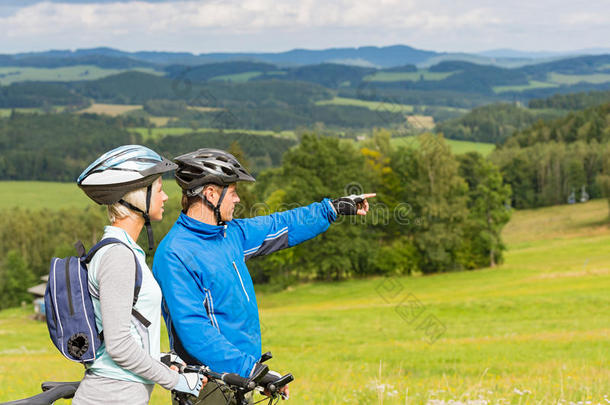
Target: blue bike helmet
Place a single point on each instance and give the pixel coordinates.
(120, 171)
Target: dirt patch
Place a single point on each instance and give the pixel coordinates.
(110, 109)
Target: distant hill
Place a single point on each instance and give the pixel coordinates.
(592, 124)
(512, 53)
(56, 60)
(374, 56)
(209, 71)
(497, 122)
(575, 101)
(491, 123)
(366, 56)
(579, 65)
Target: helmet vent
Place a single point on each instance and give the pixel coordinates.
(227, 171)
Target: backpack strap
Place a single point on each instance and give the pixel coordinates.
(86, 258)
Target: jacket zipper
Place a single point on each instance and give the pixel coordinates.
(241, 281)
(68, 287)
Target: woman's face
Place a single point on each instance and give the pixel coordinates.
(157, 200)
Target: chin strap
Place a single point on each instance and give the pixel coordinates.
(149, 231)
(216, 208)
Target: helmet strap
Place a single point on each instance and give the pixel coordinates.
(216, 208)
(145, 215)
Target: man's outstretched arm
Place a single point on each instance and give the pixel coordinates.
(267, 234)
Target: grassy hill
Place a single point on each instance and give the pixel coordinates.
(15, 74)
(534, 330)
(457, 147)
(27, 194)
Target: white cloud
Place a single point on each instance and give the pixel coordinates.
(204, 26)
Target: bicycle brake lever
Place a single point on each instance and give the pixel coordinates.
(260, 370)
(265, 357)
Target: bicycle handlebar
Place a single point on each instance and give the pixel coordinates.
(228, 378)
(261, 377)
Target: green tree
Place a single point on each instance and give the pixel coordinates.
(487, 198)
(427, 182)
(323, 167)
(603, 179)
(15, 278)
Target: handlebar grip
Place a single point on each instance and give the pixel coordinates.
(237, 380)
(287, 379)
(274, 383)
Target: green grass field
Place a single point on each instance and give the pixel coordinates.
(534, 330)
(6, 112)
(371, 105)
(533, 84)
(236, 77)
(407, 76)
(110, 109)
(574, 79)
(41, 194)
(457, 147)
(37, 195)
(556, 80)
(12, 74)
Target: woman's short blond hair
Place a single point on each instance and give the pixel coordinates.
(137, 198)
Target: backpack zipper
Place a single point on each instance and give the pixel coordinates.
(68, 287)
(241, 281)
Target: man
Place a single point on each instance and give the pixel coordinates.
(209, 303)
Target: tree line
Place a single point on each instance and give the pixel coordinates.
(57, 147)
(491, 123)
(548, 161)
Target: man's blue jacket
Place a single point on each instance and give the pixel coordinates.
(209, 304)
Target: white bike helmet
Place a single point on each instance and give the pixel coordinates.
(120, 171)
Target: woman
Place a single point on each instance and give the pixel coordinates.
(128, 180)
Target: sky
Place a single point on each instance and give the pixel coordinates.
(203, 26)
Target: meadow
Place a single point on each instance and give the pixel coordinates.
(236, 77)
(110, 109)
(531, 331)
(6, 112)
(457, 147)
(596, 78)
(421, 74)
(532, 84)
(55, 195)
(555, 80)
(371, 105)
(12, 74)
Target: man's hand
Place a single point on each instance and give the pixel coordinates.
(284, 391)
(352, 204)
